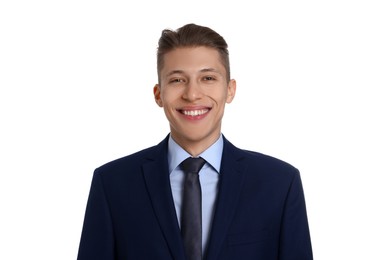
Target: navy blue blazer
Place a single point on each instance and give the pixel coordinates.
(260, 210)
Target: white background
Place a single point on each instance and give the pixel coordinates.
(76, 82)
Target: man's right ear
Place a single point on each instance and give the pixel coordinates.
(156, 93)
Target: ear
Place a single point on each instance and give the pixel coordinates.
(231, 90)
(156, 93)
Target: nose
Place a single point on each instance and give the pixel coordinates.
(192, 91)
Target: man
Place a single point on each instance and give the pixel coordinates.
(253, 205)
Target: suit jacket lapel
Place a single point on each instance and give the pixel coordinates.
(231, 182)
(156, 176)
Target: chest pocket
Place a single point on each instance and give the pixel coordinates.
(249, 238)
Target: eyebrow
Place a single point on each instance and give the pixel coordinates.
(174, 72)
(209, 70)
(182, 72)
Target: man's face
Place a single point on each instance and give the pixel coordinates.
(193, 92)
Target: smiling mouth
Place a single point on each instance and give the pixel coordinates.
(197, 112)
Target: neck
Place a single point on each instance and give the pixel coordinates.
(193, 147)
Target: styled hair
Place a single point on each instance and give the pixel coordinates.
(192, 35)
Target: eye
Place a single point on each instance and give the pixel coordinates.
(176, 80)
(208, 78)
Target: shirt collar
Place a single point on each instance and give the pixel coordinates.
(176, 154)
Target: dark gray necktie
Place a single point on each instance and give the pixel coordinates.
(191, 222)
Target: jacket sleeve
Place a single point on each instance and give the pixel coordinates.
(295, 242)
(97, 239)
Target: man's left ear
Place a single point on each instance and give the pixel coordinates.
(231, 90)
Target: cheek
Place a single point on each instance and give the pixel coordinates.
(168, 103)
(222, 97)
(169, 97)
(166, 100)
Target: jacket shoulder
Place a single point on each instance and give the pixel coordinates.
(255, 158)
(123, 167)
(268, 160)
(260, 164)
(135, 159)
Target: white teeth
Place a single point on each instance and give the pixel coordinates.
(195, 112)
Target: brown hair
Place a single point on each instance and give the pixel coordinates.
(192, 35)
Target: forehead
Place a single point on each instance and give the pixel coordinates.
(192, 59)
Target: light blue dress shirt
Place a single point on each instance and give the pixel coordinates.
(209, 179)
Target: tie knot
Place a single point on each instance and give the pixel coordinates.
(192, 164)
